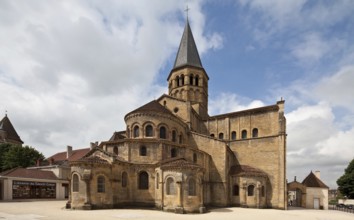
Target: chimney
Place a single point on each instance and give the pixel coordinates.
(69, 151)
(92, 145)
(294, 178)
(318, 174)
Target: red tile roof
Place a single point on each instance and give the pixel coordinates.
(312, 181)
(29, 173)
(75, 155)
(179, 164)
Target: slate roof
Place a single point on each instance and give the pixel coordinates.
(187, 52)
(153, 106)
(244, 170)
(312, 181)
(29, 173)
(6, 125)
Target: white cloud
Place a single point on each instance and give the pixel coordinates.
(71, 70)
(228, 102)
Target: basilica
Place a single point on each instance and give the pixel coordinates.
(175, 157)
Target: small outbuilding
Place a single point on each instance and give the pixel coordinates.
(312, 193)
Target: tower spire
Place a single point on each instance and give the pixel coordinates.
(187, 54)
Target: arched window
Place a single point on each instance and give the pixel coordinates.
(244, 134)
(191, 79)
(212, 135)
(255, 132)
(170, 186)
(191, 187)
(233, 135)
(75, 183)
(262, 191)
(101, 184)
(197, 81)
(173, 152)
(124, 179)
(142, 151)
(250, 190)
(182, 80)
(174, 134)
(235, 190)
(157, 180)
(143, 180)
(115, 150)
(148, 131)
(221, 136)
(195, 158)
(162, 132)
(180, 139)
(136, 131)
(177, 80)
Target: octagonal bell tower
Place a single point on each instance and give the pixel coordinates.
(188, 80)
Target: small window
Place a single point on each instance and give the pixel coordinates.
(250, 190)
(262, 191)
(221, 136)
(255, 132)
(182, 80)
(157, 180)
(143, 151)
(115, 150)
(235, 190)
(174, 134)
(136, 131)
(75, 183)
(195, 158)
(101, 184)
(191, 79)
(212, 135)
(177, 80)
(197, 81)
(244, 134)
(233, 135)
(162, 132)
(191, 187)
(148, 131)
(180, 139)
(143, 180)
(170, 186)
(173, 152)
(124, 179)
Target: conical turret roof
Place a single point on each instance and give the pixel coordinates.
(6, 125)
(187, 52)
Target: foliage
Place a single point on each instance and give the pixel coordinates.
(12, 156)
(346, 182)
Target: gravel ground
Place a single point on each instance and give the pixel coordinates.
(42, 210)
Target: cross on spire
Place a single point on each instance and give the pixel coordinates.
(186, 10)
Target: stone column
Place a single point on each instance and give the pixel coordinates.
(87, 178)
(179, 208)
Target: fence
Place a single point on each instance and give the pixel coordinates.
(341, 208)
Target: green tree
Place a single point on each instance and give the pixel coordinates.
(19, 156)
(3, 149)
(346, 182)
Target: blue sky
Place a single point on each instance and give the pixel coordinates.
(71, 70)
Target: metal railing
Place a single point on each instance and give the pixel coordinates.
(341, 208)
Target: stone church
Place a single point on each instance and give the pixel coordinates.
(175, 157)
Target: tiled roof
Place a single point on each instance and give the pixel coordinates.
(187, 52)
(244, 170)
(93, 159)
(75, 155)
(178, 163)
(29, 173)
(118, 135)
(153, 106)
(312, 181)
(6, 125)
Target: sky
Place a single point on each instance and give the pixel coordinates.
(71, 70)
